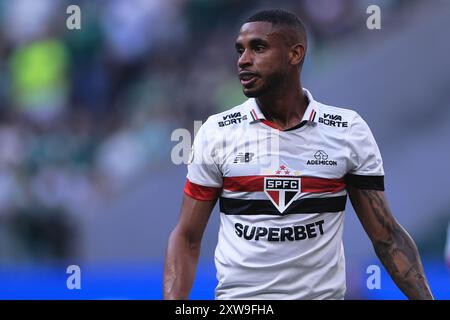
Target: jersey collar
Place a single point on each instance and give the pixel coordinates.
(310, 115)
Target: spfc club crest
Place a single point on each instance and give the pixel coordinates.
(282, 191)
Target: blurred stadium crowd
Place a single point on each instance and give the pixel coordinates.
(83, 113)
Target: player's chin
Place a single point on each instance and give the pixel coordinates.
(251, 92)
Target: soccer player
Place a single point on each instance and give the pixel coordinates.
(282, 207)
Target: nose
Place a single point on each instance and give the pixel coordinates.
(245, 60)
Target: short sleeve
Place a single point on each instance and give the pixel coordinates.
(365, 163)
(204, 177)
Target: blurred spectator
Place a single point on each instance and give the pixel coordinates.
(39, 83)
(26, 20)
(134, 27)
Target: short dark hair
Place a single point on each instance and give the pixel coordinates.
(281, 18)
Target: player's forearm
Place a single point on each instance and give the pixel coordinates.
(180, 266)
(401, 259)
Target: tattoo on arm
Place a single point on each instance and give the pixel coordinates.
(397, 251)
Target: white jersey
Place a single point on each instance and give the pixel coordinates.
(282, 197)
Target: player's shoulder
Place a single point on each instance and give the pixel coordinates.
(327, 110)
(230, 118)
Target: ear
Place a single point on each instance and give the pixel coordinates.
(297, 54)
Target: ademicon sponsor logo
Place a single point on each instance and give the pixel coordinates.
(321, 159)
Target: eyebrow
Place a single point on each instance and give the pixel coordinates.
(252, 42)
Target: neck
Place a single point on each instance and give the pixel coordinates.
(284, 106)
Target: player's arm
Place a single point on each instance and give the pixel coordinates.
(184, 247)
(393, 245)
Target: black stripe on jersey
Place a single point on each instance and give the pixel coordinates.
(256, 207)
(365, 182)
(301, 124)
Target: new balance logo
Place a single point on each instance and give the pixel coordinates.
(243, 157)
(232, 118)
(333, 120)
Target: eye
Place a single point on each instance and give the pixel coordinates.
(240, 51)
(260, 48)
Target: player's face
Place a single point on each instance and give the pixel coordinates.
(263, 58)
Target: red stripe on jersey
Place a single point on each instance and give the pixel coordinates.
(254, 114)
(270, 124)
(199, 192)
(308, 184)
(311, 115)
(317, 185)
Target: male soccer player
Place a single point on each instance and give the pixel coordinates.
(282, 206)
